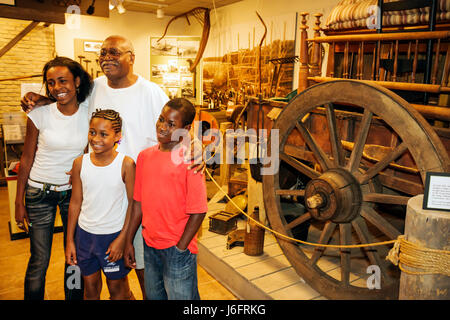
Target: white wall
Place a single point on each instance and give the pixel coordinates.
(139, 27)
(245, 10)
(136, 26)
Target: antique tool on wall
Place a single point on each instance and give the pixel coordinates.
(278, 65)
(203, 16)
(255, 168)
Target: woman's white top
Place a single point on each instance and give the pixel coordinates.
(105, 202)
(61, 140)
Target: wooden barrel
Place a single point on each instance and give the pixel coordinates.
(254, 236)
(428, 229)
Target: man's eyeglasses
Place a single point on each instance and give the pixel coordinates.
(112, 53)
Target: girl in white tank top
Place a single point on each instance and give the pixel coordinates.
(101, 203)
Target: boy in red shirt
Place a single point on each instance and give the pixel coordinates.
(171, 202)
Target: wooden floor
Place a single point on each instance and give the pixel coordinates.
(222, 274)
(14, 257)
(265, 277)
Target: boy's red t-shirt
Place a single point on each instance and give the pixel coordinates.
(168, 193)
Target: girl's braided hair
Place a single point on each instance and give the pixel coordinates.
(110, 115)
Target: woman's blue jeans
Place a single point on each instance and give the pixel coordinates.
(170, 274)
(41, 207)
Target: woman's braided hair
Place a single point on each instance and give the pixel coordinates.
(110, 115)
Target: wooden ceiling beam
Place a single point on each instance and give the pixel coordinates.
(17, 38)
(32, 14)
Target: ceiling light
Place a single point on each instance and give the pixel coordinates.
(117, 4)
(112, 4)
(120, 8)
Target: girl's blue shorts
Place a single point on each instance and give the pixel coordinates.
(91, 254)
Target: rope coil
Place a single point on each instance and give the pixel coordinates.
(407, 255)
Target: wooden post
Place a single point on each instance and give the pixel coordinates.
(330, 61)
(429, 229)
(317, 52)
(436, 62)
(303, 72)
(224, 167)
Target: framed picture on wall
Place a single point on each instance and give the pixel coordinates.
(164, 47)
(92, 46)
(170, 61)
(187, 49)
(86, 53)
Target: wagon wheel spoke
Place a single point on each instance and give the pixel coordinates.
(345, 230)
(297, 221)
(362, 231)
(299, 152)
(325, 236)
(378, 221)
(336, 145)
(383, 163)
(358, 148)
(400, 184)
(320, 155)
(307, 171)
(385, 198)
(288, 192)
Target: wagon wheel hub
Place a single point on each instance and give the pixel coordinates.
(335, 195)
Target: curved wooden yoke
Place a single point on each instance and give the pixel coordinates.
(202, 14)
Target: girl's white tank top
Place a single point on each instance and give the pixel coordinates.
(105, 202)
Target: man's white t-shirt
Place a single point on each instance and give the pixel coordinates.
(139, 106)
(61, 140)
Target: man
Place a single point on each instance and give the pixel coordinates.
(138, 101)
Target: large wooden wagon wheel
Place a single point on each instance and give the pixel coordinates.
(348, 198)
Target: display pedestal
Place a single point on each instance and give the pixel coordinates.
(428, 229)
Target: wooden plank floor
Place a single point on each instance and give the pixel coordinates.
(14, 257)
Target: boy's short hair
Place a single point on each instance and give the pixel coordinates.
(111, 115)
(185, 107)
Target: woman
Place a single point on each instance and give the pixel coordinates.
(56, 135)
